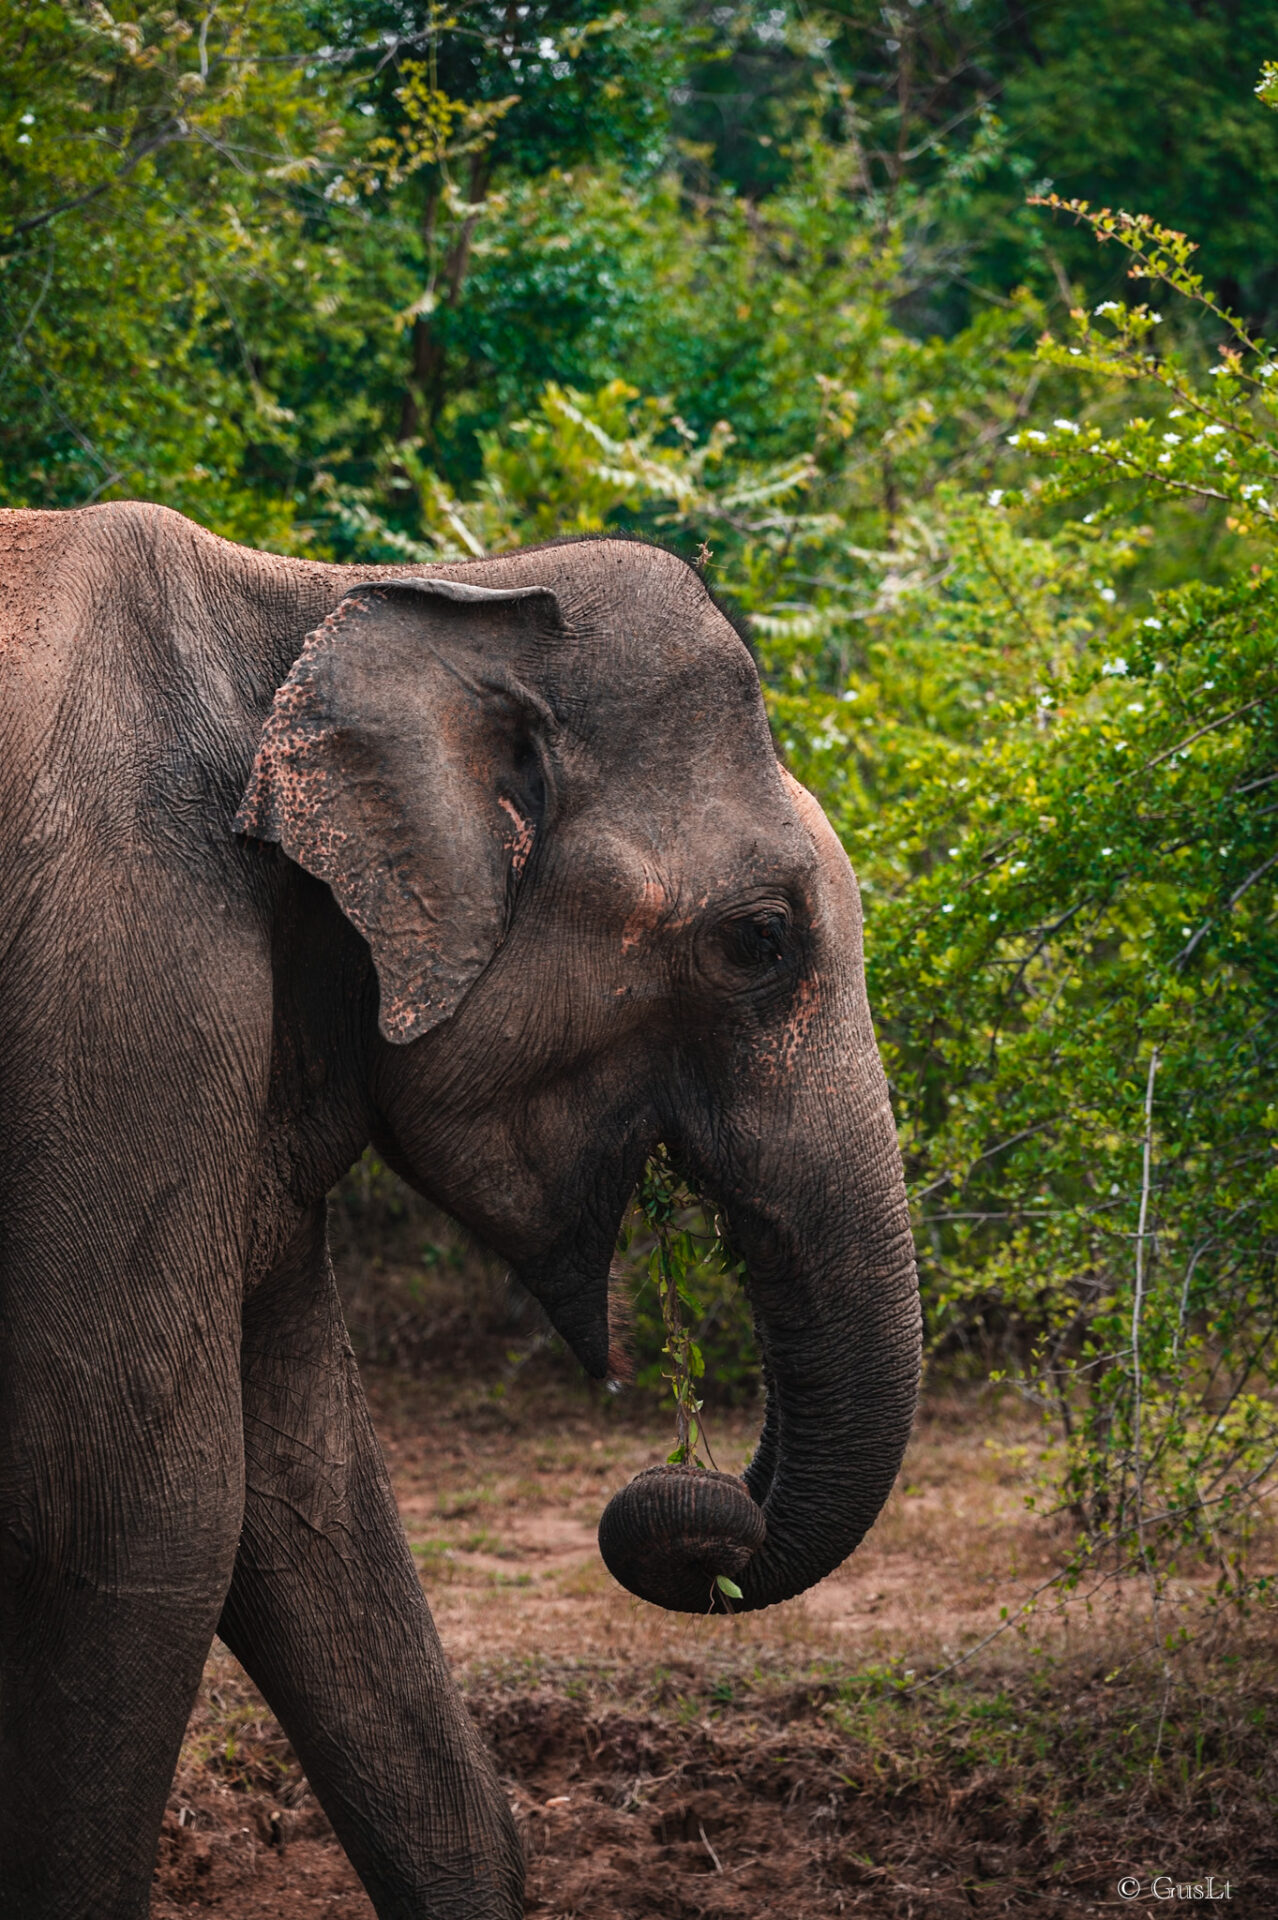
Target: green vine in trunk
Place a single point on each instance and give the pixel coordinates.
(664, 1203)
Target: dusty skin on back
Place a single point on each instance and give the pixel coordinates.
(496, 868)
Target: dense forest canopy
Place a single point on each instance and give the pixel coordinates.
(248, 248)
(840, 302)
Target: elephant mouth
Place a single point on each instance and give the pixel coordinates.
(584, 1300)
(577, 1283)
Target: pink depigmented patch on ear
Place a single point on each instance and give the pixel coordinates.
(519, 843)
(310, 793)
(378, 772)
(288, 790)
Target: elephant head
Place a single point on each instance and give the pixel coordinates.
(602, 916)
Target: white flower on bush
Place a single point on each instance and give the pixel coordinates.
(1111, 667)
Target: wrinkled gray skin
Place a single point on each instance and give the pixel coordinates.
(544, 840)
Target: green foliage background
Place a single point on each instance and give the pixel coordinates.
(791, 289)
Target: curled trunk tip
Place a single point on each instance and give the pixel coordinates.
(668, 1535)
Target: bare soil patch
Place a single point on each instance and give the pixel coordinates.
(777, 1764)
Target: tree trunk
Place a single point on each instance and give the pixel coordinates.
(426, 391)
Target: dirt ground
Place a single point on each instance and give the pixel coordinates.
(786, 1764)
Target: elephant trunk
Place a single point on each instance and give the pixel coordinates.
(841, 1391)
(798, 1149)
(837, 1310)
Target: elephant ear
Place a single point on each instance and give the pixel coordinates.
(405, 763)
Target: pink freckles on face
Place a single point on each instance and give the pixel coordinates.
(647, 913)
(784, 1049)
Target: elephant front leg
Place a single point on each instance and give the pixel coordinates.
(120, 1492)
(327, 1614)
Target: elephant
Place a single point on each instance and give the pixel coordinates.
(494, 865)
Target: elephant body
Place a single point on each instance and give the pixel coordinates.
(497, 869)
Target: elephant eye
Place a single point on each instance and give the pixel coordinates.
(757, 941)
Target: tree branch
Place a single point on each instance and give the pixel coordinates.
(162, 139)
